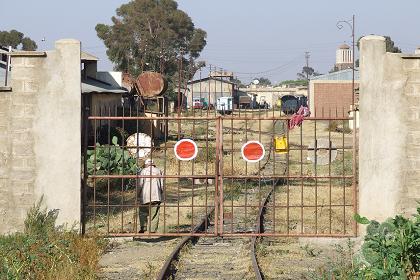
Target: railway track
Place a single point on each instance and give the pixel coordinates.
(218, 257)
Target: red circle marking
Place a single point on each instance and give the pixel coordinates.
(253, 151)
(185, 149)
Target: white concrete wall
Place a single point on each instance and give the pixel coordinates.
(216, 88)
(389, 140)
(40, 138)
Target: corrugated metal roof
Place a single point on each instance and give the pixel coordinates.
(96, 86)
(210, 78)
(343, 75)
(88, 57)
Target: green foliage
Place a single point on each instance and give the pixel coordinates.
(361, 220)
(391, 250)
(238, 82)
(111, 159)
(15, 38)
(307, 73)
(153, 35)
(294, 83)
(46, 252)
(263, 81)
(39, 222)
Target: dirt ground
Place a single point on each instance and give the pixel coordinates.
(294, 259)
(136, 259)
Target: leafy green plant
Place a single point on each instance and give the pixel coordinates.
(112, 159)
(391, 250)
(44, 251)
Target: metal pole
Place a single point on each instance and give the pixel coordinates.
(354, 166)
(353, 110)
(354, 65)
(179, 84)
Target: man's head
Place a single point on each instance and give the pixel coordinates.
(148, 162)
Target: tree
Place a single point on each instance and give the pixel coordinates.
(293, 83)
(307, 73)
(15, 39)
(237, 82)
(263, 81)
(153, 35)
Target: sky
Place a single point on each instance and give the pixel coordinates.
(266, 38)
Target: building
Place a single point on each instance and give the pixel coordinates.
(270, 94)
(105, 93)
(210, 88)
(4, 63)
(100, 89)
(331, 94)
(343, 58)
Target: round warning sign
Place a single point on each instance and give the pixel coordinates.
(253, 151)
(185, 149)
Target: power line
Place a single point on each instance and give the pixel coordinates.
(270, 70)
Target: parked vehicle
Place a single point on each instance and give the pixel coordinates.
(224, 105)
(245, 102)
(199, 103)
(290, 104)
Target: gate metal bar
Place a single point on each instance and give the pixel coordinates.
(217, 136)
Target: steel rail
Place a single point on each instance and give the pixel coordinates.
(166, 270)
(167, 267)
(258, 229)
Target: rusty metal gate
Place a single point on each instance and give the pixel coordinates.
(308, 171)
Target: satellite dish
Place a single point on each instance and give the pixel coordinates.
(255, 82)
(325, 151)
(140, 145)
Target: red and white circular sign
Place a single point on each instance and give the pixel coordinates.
(185, 149)
(253, 151)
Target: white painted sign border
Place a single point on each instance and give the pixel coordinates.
(252, 160)
(195, 148)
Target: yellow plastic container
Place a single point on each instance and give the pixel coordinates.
(279, 103)
(280, 144)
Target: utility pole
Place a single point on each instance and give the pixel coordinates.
(307, 56)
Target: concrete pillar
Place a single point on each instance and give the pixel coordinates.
(57, 129)
(382, 130)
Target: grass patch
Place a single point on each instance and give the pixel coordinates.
(233, 191)
(44, 251)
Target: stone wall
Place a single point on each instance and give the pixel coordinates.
(40, 135)
(389, 155)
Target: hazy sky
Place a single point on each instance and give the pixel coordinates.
(244, 36)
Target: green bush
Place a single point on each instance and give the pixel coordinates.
(43, 251)
(111, 159)
(391, 250)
